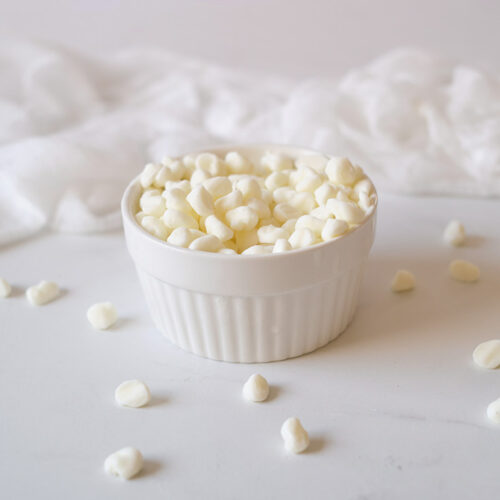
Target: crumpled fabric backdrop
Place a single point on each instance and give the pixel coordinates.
(75, 129)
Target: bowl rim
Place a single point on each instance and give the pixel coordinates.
(129, 217)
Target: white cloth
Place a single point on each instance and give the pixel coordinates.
(74, 129)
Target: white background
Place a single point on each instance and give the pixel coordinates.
(296, 37)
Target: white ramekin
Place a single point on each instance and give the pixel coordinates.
(249, 308)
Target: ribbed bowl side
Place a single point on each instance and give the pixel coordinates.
(255, 328)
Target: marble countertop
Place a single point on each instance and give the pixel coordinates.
(394, 407)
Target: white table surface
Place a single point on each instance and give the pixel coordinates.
(394, 407)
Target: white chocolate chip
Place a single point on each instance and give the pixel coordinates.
(198, 177)
(454, 233)
(341, 171)
(309, 180)
(242, 218)
(132, 393)
(183, 236)
(201, 201)
(215, 226)
(234, 178)
(302, 237)
(176, 199)
(276, 162)
(174, 219)
(124, 463)
(403, 281)
(365, 201)
(210, 163)
(303, 202)
(189, 161)
(102, 315)
(282, 245)
(324, 192)
(289, 226)
(284, 211)
(277, 180)
(184, 186)
(238, 164)
(294, 177)
(315, 161)
(155, 226)
(178, 170)
(207, 243)
(256, 388)
(464, 271)
(218, 186)
(152, 204)
(364, 185)
(283, 194)
(267, 197)
(249, 188)
(228, 202)
(164, 175)
(343, 196)
(333, 228)
(148, 175)
(228, 251)
(5, 288)
(313, 223)
(152, 191)
(345, 210)
(294, 435)
(270, 234)
(260, 207)
(258, 250)
(321, 212)
(487, 354)
(43, 293)
(493, 411)
(167, 161)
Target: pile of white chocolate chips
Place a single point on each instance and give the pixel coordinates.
(232, 205)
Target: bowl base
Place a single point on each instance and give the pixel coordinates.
(254, 329)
